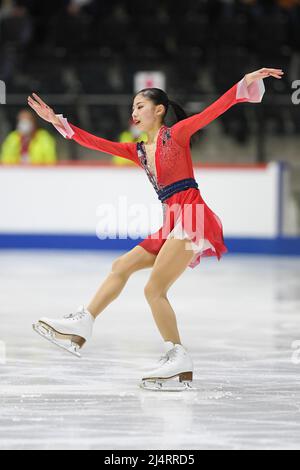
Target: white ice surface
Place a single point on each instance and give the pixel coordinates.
(238, 318)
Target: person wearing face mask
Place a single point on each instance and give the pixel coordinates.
(132, 134)
(28, 144)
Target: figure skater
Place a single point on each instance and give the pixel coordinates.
(166, 159)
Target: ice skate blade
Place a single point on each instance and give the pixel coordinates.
(48, 333)
(166, 386)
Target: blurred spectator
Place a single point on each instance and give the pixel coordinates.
(16, 33)
(132, 134)
(69, 30)
(28, 144)
(16, 25)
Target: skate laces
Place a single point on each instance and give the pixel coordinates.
(77, 315)
(172, 354)
(163, 358)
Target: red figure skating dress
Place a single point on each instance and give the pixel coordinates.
(173, 175)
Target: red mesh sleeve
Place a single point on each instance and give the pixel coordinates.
(121, 149)
(183, 130)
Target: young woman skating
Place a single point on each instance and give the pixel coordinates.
(166, 159)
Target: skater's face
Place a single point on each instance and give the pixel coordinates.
(147, 114)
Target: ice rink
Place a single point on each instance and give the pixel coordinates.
(239, 318)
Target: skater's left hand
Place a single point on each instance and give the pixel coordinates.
(263, 73)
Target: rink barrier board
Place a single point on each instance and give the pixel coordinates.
(277, 246)
(101, 164)
(70, 240)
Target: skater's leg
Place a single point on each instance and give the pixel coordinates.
(77, 328)
(122, 268)
(170, 263)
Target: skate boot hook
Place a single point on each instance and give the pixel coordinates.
(174, 374)
(69, 333)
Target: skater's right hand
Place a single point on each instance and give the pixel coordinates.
(43, 110)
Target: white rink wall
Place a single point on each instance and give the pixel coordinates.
(66, 199)
(252, 201)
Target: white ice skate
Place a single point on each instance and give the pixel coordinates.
(176, 364)
(69, 333)
(168, 345)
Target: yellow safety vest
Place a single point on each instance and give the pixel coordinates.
(41, 150)
(127, 136)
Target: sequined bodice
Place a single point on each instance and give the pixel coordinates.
(173, 162)
(143, 159)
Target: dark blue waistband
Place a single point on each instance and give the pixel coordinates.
(176, 187)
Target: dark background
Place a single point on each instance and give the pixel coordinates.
(81, 56)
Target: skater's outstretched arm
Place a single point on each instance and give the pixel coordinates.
(251, 88)
(69, 131)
